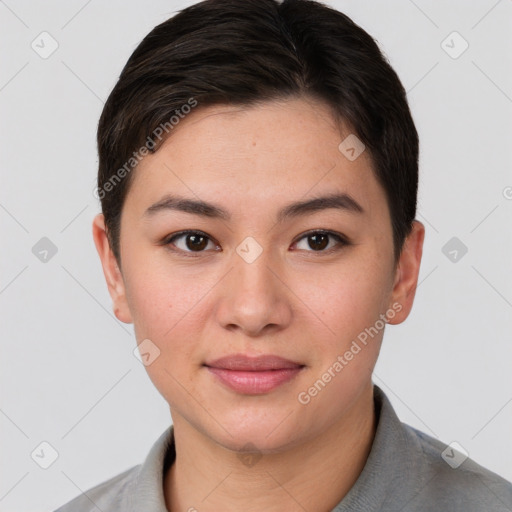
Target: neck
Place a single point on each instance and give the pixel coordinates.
(314, 475)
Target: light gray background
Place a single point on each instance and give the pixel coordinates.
(68, 373)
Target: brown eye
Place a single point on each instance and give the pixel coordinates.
(318, 241)
(190, 241)
(196, 242)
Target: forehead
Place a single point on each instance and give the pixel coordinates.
(262, 153)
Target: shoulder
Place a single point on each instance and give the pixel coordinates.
(108, 496)
(134, 489)
(411, 471)
(452, 479)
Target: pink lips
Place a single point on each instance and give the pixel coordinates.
(253, 375)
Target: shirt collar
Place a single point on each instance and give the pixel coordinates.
(147, 492)
(391, 475)
(391, 465)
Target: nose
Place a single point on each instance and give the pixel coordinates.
(254, 298)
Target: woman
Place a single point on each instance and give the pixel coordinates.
(258, 173)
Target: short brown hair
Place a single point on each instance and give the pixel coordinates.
(242, 52)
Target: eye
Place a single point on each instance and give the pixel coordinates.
(318, 241)
(190, 241)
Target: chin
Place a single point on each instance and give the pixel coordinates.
(257, 440)
(267, 432)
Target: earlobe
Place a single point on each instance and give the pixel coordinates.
(111, 270)
(407, 272)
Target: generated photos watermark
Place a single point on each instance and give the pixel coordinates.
(146, 148)
(357, 345)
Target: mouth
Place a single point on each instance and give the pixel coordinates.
(253, 375)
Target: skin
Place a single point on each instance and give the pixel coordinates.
(292, 301)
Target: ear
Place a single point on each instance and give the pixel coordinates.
(406, 277)
(111, 270)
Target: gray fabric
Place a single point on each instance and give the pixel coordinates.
(404, 472)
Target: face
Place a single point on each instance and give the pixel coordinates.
(253, 276)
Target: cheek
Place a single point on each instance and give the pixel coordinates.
(161, 300)
(166, 310)
(349, 303)
(171, 309)
(346, 300)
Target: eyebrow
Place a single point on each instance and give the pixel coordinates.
(339, 201)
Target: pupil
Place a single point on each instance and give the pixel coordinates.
(315, 238)
(194, 242)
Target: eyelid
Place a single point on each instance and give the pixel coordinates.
(186, 232)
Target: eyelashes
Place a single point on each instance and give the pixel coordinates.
(197, 237)
(323, 235)
(194, 243)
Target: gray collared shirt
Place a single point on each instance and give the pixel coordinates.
(406, 470)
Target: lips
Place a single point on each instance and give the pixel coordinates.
(242, 362)
(253, 375)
